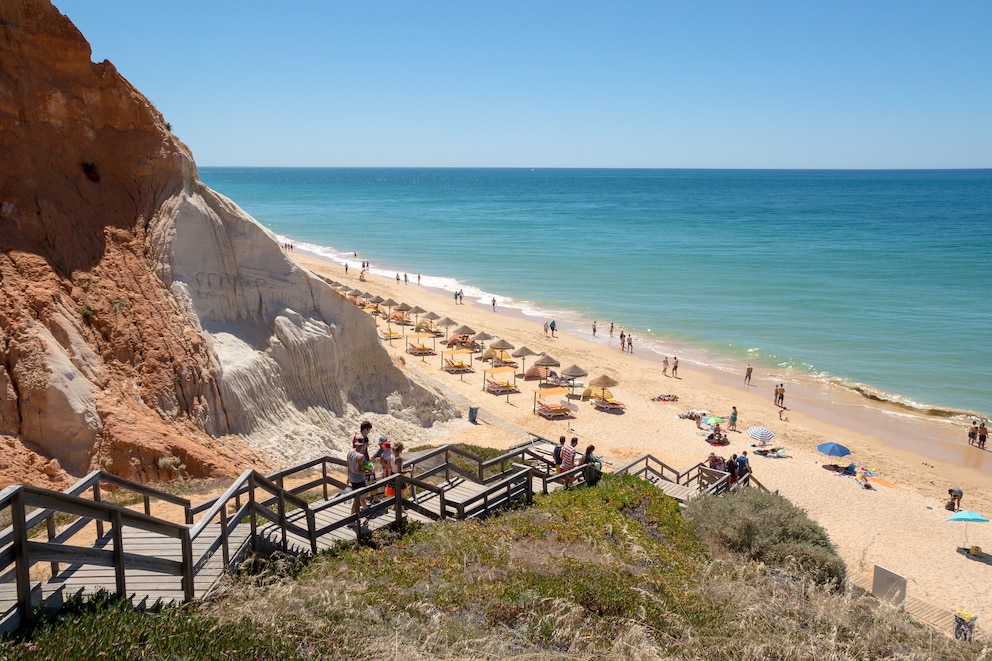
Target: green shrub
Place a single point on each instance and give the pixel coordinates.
(767, 528)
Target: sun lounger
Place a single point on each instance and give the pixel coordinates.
(499, 387)
(456, 366)
(390, 335)
(608, 404)
(552, 411)
(420, 350)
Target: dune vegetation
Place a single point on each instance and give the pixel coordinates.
(611, 571)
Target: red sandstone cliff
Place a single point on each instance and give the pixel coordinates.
(140, 326)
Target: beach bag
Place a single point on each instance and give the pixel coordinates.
(591, 473)
(557, 454)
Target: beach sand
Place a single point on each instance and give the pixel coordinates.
(900, 525)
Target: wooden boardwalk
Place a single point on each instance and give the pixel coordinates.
(152, 561)
(937, 617)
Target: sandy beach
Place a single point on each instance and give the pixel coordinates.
(899, 525)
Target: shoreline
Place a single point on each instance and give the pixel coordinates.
(900, 526)
(893, 429)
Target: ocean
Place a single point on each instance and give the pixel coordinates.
(870, 282)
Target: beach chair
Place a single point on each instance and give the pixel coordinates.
(499, 387)
(552, 411)
(608, 404)
(456, 366)
(419, 350)
(390, 335)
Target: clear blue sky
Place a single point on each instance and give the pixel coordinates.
(793, 84)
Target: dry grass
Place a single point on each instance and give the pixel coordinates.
(590, 573)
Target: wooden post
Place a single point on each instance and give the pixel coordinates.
(398, 499)
(96, 499)
(312, 527)
(225, 544)
(251, 513)
(118, 535)
(148, 504)
(189, 592)
(50, 524)
(324, 467)
(281, 508)
(22, 566)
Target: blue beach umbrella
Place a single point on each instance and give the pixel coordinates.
(833, 449)
(967, 516)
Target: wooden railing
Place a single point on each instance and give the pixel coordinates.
(29, 507)
(254, 498)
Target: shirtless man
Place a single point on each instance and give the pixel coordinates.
(747, 375)
(675, 367)
(973, 433)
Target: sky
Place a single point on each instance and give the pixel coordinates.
(652, 84)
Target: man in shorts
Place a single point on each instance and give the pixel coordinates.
(356, 475)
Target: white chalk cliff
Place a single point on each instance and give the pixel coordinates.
(148, 326)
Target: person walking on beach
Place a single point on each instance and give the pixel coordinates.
(983, 435)
(747, 375)
(781, 395)
(630, 343)
(461, 296)
(611, 330)
(594, 330)
(494, 304)
(406, 279)
(973, 433)
(623, 340)
(346, 268)
(554, 327)
(664, 366)
(546, 327)
(733, 420)
(675, 367)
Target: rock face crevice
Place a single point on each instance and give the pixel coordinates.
(148, 326)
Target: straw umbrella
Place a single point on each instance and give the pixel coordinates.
(416, 311)
(481, 338)
(390, 304)
(573, 372)
(603, 381)
(522, 353)
(546, 361)
(446, 322)
(403, 307)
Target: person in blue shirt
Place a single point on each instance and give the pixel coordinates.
(743, 465)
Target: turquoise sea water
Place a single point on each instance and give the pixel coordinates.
(875, 280)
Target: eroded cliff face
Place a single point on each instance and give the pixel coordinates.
(147, 325)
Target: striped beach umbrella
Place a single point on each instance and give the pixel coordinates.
(761, 434)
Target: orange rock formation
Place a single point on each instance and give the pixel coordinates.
(112, 264)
